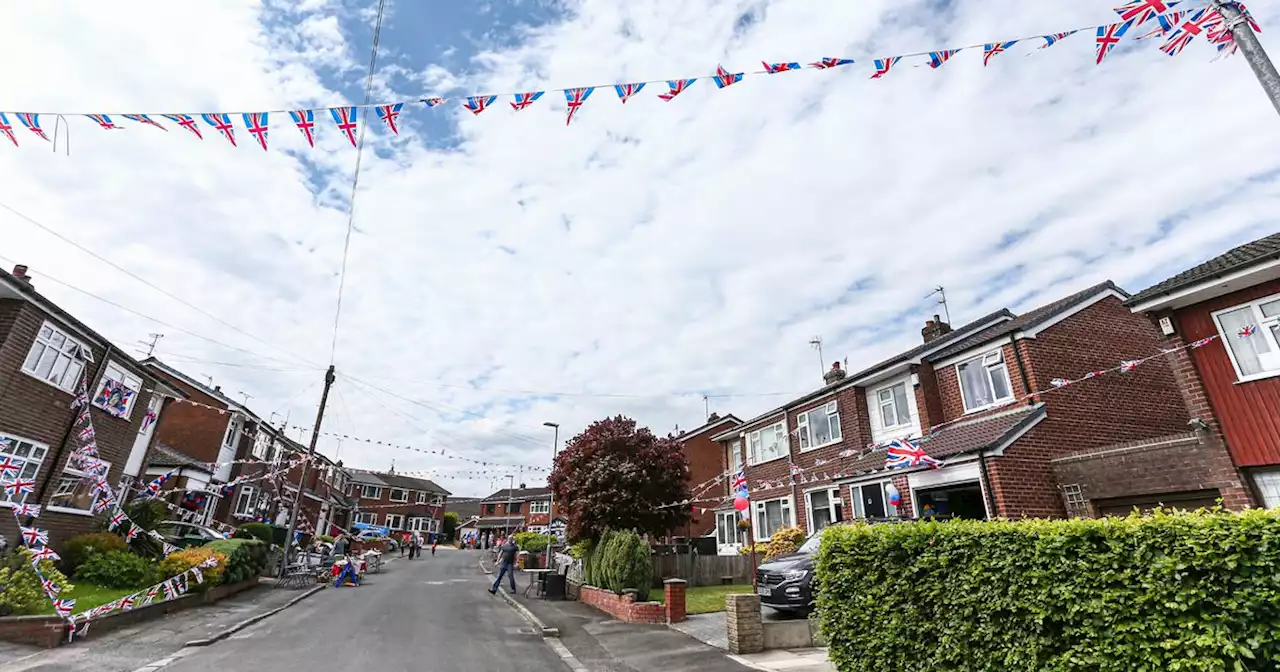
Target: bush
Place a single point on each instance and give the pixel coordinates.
(118, 569)
(20, 592)
(260, 531)
(622, 562)
(580, 549)
(531, 541)
(187, 558)
(449, 524)
(76, 550)
(246, 558)
(147, 514)
(783, 542)
(1196, 591)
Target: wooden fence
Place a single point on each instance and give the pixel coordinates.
(702, 570)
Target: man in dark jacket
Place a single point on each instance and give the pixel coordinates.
(507, 565)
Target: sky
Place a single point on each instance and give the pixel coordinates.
(505, 270)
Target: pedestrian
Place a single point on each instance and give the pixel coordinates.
(435, 541)
(415, 546)
(507, 555)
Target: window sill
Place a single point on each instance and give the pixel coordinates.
(74, 512)
(398, 501)
(998, 404)
(1241, 380)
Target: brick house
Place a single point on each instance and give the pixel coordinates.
(44, 352)
(521, 509)
(1231, 384)
(401, 503)
(1005, 454)
(707, 461)
(324, 506)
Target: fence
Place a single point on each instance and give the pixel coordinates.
(702, 570)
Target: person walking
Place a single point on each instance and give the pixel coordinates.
(435, 541)
(507, 555)
(415, 546)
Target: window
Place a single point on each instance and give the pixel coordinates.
(894, 411)
(768, 443)
(395, 521)
(371, 492)
(871, 500)
(490, 510)
(422, 497)
(399, 495)
(117, 391)
(55, 357)
(984, 381)
(233, 431)
(819, 426)
(1074, 499)
(1268, 483)
(540, 506)
(261, 444)
(727, 531)
(1252, 335)
(367, 518)
(772, 516)
(77, 491)
(735, 456)
(246, 502)
(825, 508)
(21, 459)
(513, 507)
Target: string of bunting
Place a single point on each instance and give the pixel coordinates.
(1179, 28)
(442, 452)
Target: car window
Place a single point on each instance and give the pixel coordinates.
(167, 529)
(811, 545)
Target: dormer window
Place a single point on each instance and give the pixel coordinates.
(984, 381)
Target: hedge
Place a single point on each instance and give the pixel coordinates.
(246, 558)
(1197, 591)
(621, 561)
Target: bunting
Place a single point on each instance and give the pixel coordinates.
(1199, 21)
(347, 119)
(993, 49)
(827, 63)
(32, 122)
(625, 91)
(675, 87)
(725, 78)
(256, 124)
(388, 114)
(938, 58)
(104, 120)
(433, 102)
(305, 120)
(145, 120)
(1142, 11)
(883, 65)
(775, 68)
(222, 123)
(1109, 37)
(186, 121)
(524, 100)
(1167, 24)
(1050, 40)
(8, 466)
(574, 100)
(7, 129)
(478, 104)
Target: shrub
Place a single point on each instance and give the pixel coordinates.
(147, 514)
(1193, 591)
(259, 531)
(20, 591)
(187, 558)
(531, 541)
(79, 548)
(623, 562)
(783, 542)
(246, 558)
(580, 549)
(117, 569)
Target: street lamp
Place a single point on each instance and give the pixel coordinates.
(551, 511)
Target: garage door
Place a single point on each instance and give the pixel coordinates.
(1187, 501)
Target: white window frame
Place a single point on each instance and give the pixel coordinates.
(728, 534)
(377, 492)
(398, 523)
(897, 412)
(1268, 485)
(422, 496)
(990, 360)
(82, 476)
(540, 507)
(233, 431)
(736, 461)
(755, 443)
(261, 444)
(71, 348)
(117, 373)
(1264, 325)
(858, 510)
(759, 513)
(9, 447)
(835, 506)
(367, 518)
(404, 496)
(830, 412)
(247, 497)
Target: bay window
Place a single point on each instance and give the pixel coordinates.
(767, 443)
(1251, 334)
(984, 381)
(773, 515)
(19, 461)
(819, 427)
(395, 521)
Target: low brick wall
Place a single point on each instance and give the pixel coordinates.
(622, 607)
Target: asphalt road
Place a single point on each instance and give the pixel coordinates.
(431, 614)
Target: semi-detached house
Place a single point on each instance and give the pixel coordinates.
(1007, 452)
(401, 503)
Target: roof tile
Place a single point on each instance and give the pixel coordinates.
(1234, 259)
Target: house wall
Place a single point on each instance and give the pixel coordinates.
(706, 461)
(193, 430)
(855, 432)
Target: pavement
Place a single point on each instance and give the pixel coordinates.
(799, 660)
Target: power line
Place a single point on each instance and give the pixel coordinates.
(193, 360)
(590, 395)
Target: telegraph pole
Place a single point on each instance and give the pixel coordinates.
(302, 479)
(1252, 49)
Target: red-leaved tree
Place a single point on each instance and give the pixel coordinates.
(617, 476)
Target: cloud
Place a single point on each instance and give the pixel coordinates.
(656, 251)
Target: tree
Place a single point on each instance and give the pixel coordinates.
(617, 476)
(449, 525)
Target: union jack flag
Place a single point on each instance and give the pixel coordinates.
(675, 87)
(625, 91)
(104, 121)
(170, 590)
(1129, 365)
(725, 78)
(993, 49)
(50, 588)
(883, 65)
(1248, 330)
(830, 63)
(1093, 374)
(524, 100)
(34, 536)
(151, 594)
(574, 100)
(170, 549)
(1142, 11)
(32, 510)
(1168, 24)
(43, 553)
(347, 119)
(1059, 382)
(937, 58)
(433, 102)
(7, 129)
(222, 122)
(186, 121)
(739, 481)
(8, 465)
(144, 119)
(21, 487)
(132, 533)
(478, 104)
(104, 502)
(116, 520)
(1109, 37)
(1199, 21)
(1050, 40)
(257, 127)
(195, 571)
(775, 68)
(32, 122)
(126, 602)
(209, 562)
(1244, 11)
(64, 607)
(902, 453)
(388, 114)
(305, 120)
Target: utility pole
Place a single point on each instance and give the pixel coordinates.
(551, 510)
(511, 487)
(1252, 49)
(302, 479)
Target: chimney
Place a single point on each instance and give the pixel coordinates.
(20, 272)
(522, 486)
(217, 388)
(835, 375)
(713, 417)
(934, 329)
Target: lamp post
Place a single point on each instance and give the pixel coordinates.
(551, 511)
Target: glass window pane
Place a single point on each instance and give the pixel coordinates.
(59, 368)
(34, 356)
(1270, 308)
(974, 384)
(74, 492)
(57, 340)
(873, 496)
(1000, 382)
(1245, 348)
(888, 415)
(46, 363)
(900, 401)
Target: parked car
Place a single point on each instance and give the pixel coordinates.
(186, 535)
(785, 583)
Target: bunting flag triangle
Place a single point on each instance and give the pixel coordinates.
(347, 119)
(994, 49)
(775, 68)
(7, 129)
(305, 120)
(1168, 24)
(625, 91)
(524, 100)
(725, 78)
(433, 102)
(186, 121)
(1199, 21)
(1050, 40)
(144, 119)
(827, 63)
(675, 87)
(32, 122)
(574, 99)
(1109, 37)
(478, 104)
(1142, 11)
(938, 58)
(883, 65)
(256, 123)
(388, 114)
(221, 122)
(104, 121)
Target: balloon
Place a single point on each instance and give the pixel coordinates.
(741, 503)
(895, 498)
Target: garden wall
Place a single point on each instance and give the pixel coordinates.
(626, 609)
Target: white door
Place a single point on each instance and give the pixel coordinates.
(729, 537)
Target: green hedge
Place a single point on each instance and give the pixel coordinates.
(1194, 591)
(246, 558)
(621, 561)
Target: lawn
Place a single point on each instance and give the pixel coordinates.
(705, 599)
(88, 596)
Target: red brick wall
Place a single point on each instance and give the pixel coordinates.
(949, 400)
(928, 400)
(622, 607)
(706, 462)
(855, 433)
(193, 430)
